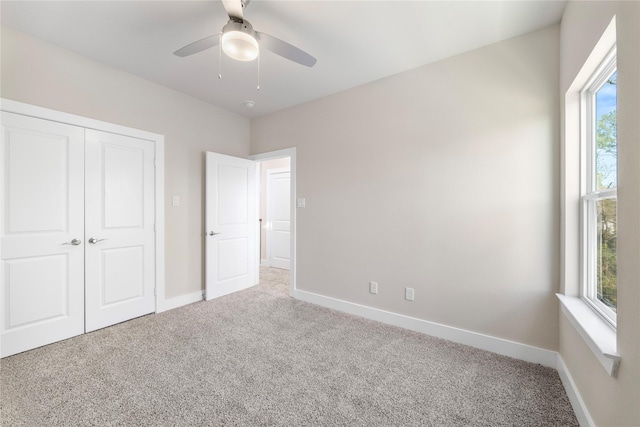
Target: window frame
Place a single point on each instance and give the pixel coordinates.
(590, 195)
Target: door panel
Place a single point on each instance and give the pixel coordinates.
(123, 279)
(37, 205)
(279, 219)
(42, 295)
(232, 198)
(120, 217)
(123, 180)
(231, 257)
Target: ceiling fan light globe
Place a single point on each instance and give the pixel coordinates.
(240, 46)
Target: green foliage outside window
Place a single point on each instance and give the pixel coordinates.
(607, 270)
(606, 177)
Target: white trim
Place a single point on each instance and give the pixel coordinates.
(573, 175)
(589, 194)
(484, 342)
(578, 405)
(264, 263)
(11, 106)
(181, 300)
(278, 154)
(159, 225)
(594, 330)
(16, 107)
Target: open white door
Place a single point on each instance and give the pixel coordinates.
(231, 225)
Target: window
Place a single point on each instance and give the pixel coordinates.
(599, 195)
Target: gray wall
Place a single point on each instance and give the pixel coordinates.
(42, 74)
(445, 179)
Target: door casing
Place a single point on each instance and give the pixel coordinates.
(278, 154)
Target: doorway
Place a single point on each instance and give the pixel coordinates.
(275, 213)
(277, 192)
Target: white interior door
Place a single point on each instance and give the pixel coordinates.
(119, 206)
(279, 218)
(231, 224)
(42, 232)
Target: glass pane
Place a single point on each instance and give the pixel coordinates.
(607, 135)
(606, 264)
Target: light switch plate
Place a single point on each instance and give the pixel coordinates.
(373, 287)
(408, 294)
(301, 203)
(176, 201)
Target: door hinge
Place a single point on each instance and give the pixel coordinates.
(154, 227)
(155, 292)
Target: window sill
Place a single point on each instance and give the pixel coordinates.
(595, 331)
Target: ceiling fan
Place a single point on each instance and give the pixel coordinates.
(241, 42)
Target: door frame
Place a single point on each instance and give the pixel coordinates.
(16, 107)
(278, 154)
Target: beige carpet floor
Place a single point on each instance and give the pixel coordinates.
(260, 358)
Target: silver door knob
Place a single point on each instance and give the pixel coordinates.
(213, 233)
(74, 242)
(93, 240)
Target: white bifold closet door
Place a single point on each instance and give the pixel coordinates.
(76, 231)
(119, 218)
(42, 222)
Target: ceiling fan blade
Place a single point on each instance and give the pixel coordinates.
(199, 46)
(285, 50)
(234, 9)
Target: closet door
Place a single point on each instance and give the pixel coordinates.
(41, 232)
(119, 209)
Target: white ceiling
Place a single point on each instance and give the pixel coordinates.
(355, 42)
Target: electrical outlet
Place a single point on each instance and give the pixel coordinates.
(373, 287)
(408, 294)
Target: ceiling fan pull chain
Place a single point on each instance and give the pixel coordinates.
(220, 59)
(258, 71)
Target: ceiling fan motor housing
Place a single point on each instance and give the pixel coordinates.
(239, 40)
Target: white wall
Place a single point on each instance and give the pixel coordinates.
(610, 401)
(42, 74)
(445, 179)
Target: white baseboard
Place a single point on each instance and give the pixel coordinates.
(580, 409)
(179, 301)
(484, 342)
(264, 263)
(501, 346)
